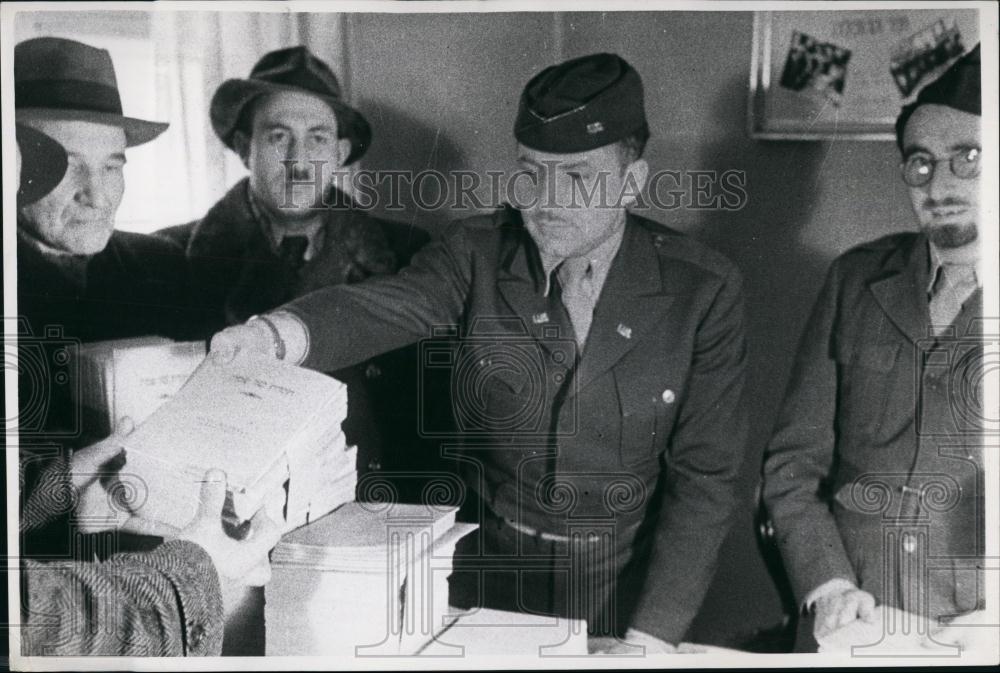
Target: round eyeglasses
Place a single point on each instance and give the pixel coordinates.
(918, 169)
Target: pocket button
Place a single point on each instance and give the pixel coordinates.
(668, 396)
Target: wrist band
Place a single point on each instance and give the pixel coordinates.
(279, 343)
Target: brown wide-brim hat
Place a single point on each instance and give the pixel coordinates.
(43, 164)
(297, 70)
(61, 79)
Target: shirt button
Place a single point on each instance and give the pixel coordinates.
(668, 396)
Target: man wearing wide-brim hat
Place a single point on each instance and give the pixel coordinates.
(873, 478)
(597, 382)
(165, 601)
(74, 269)
(286, 229)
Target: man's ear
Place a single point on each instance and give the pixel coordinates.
(343, 151)
(635, 176)
(241, 143)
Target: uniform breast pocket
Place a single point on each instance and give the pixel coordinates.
(502, 399)
(867, 379)
(647, 414)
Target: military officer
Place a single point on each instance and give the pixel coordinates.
(597, 378)
(873, 475)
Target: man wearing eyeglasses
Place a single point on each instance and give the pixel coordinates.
(873, 478)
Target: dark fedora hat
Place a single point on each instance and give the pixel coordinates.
(580, 105)
(959, 87)
(43, 164)
(55, 78)
(293, 69)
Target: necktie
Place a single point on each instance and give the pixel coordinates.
(954, 285)
(576, 276)
(292, 251)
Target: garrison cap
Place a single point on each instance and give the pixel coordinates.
(580, 105)
(958, 87)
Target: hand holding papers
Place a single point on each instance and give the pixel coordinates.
(259, 421)
(251, 339)
(841, 605)
(244, 561)
(104, 500)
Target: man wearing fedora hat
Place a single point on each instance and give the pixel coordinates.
(78, 279)
(74, 269)
(597, 380)
(287, 229)
(165, 602)
(873, 478)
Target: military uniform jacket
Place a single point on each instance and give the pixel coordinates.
(645, 428)
(874, 470)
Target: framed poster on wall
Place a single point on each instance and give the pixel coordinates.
(846, 73)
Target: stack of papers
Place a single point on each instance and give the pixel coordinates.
(129, 378)
(273, 428)
(356, 536)
(498, 633)
(366, 580)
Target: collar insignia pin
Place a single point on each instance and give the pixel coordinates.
(595, 127)
(540, 318)
(625, 331)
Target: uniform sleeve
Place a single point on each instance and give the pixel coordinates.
(166, 602)
(350, 323)
(800, 457)
(702, 465)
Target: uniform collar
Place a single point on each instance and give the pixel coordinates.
(600, 259)
(940, 258)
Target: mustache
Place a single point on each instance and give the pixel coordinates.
(947, 202)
